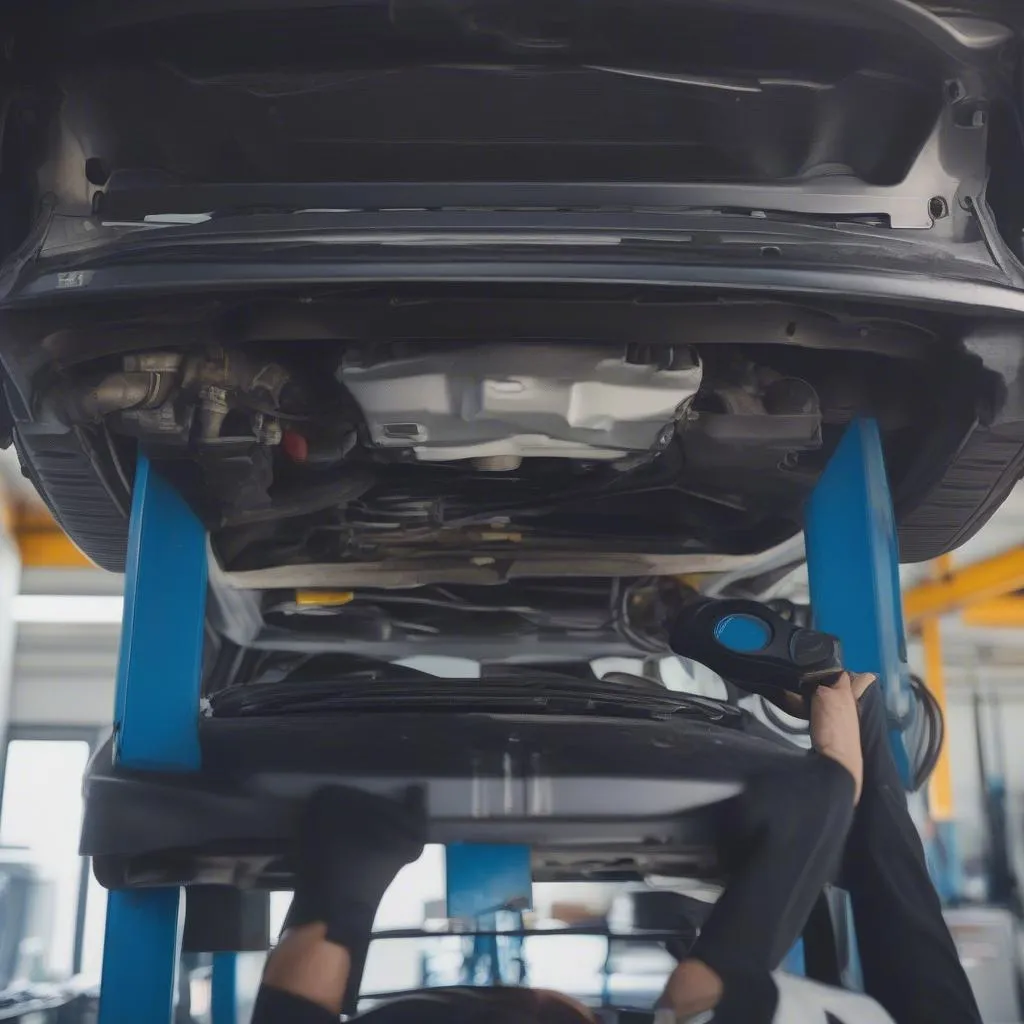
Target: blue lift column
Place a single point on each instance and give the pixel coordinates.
(853, 566)
(155, 729)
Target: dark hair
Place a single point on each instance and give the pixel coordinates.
(529, 1006)
(479, 1006)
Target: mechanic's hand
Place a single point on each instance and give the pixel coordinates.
(835, 724)
(351, 846)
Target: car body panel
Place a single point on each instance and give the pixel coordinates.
(581, 791)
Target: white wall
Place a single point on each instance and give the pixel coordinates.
(967, 791)
(10, 582)
(64, 675)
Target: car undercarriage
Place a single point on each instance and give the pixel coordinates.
(378, 342)
(441, 459)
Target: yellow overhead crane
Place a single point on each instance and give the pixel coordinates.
(41, 542)
(979, 588)
(997, 613)
(940, 785)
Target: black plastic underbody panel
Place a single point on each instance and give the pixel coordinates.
(593, 796)
(983, 471)
(957, 479)
(965, 494)
(70, 480)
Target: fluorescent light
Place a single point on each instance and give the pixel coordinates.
(68, 609)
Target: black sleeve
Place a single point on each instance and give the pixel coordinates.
(784, 840)
(909, 959)
(276, 1007)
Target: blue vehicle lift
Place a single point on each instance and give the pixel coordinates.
(852, 562)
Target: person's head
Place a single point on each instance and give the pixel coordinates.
(484, 1006)
(536, 1006)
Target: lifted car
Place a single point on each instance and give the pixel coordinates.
(418, 294)
(467, 328)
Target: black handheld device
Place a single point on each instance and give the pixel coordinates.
(753, 647)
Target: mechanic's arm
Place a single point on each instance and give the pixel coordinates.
(909, 960)
(351, 847)
(305, 979)
(789, 829)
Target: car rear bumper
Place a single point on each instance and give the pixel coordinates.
(594, 797)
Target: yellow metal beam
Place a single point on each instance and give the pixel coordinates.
(999, 613)
(50, 549)
(323, 598)
(957, 589)
(940, 785)
(43, 544)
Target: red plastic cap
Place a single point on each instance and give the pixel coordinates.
(295, 446)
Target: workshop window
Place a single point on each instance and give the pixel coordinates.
(40, 822)
(94, 925)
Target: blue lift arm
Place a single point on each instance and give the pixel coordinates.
(155, 729)
(853, 567)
